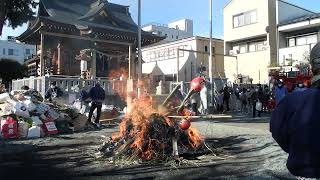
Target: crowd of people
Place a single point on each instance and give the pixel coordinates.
(247, 99)
(254, 99)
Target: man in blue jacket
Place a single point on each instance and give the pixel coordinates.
(295, 125)
(281, 92)
(97, 95)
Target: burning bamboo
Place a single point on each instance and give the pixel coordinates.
(149, 134)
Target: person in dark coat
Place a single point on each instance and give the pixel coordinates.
(220, 101)
(295, 125)
(255, 97)
(97, 95)
(265, 99)
(226, 97)
(244, 100)
(53, 92)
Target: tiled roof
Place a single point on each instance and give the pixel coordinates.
(82, 11)
(301, 19)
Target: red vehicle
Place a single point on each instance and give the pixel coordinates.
(290, 79)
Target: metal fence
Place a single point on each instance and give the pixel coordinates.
(218, 84)
(66, 83)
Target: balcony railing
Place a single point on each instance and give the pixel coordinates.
(294, 55)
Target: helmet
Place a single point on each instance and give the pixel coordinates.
(197, 84)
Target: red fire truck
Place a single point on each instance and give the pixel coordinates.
(291, 77)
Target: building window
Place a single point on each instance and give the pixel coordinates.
(10, 52)
(160, 33)
(28, 51)
(4, 51)
(213, 50)
(292, 42)
(177, 37)
(161, 55)
(166, 54)
(172, 36)
(313, 39)
(302, 40)
(236, 48)
(166, 35)
(244, 19)
(205, 48)
(13, 52)
(243, 48)
(252, 47)
(260, 46)
(153, 55)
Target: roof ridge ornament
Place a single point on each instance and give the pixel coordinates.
(103, 1)
(98, 2)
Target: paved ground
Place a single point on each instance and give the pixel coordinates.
(246, 148)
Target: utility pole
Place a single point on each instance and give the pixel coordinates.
(211, 53)
(210, 58)
(139, 48)
(178, 65)
(139, 40)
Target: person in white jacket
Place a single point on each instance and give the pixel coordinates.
(204, 101)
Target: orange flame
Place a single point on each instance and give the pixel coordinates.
(116, 74)
(195, 139)
(150, 141)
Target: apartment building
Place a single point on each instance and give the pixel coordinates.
(183, 59)
(261, 35)
(173, 31)
(296, 39)
(10, 49)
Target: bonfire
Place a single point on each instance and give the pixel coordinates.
(148, 132)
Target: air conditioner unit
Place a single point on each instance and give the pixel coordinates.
(233, 52)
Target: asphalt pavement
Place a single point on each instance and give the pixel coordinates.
(243, 145)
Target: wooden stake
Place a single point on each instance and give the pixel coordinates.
(175, 151)
(202, 117)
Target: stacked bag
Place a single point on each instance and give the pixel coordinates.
(26, 117)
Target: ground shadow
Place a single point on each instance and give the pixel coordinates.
(208, 168)
(70, 160)
(26, 161)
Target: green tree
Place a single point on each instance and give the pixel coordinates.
(10, 69)
(15, 12)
